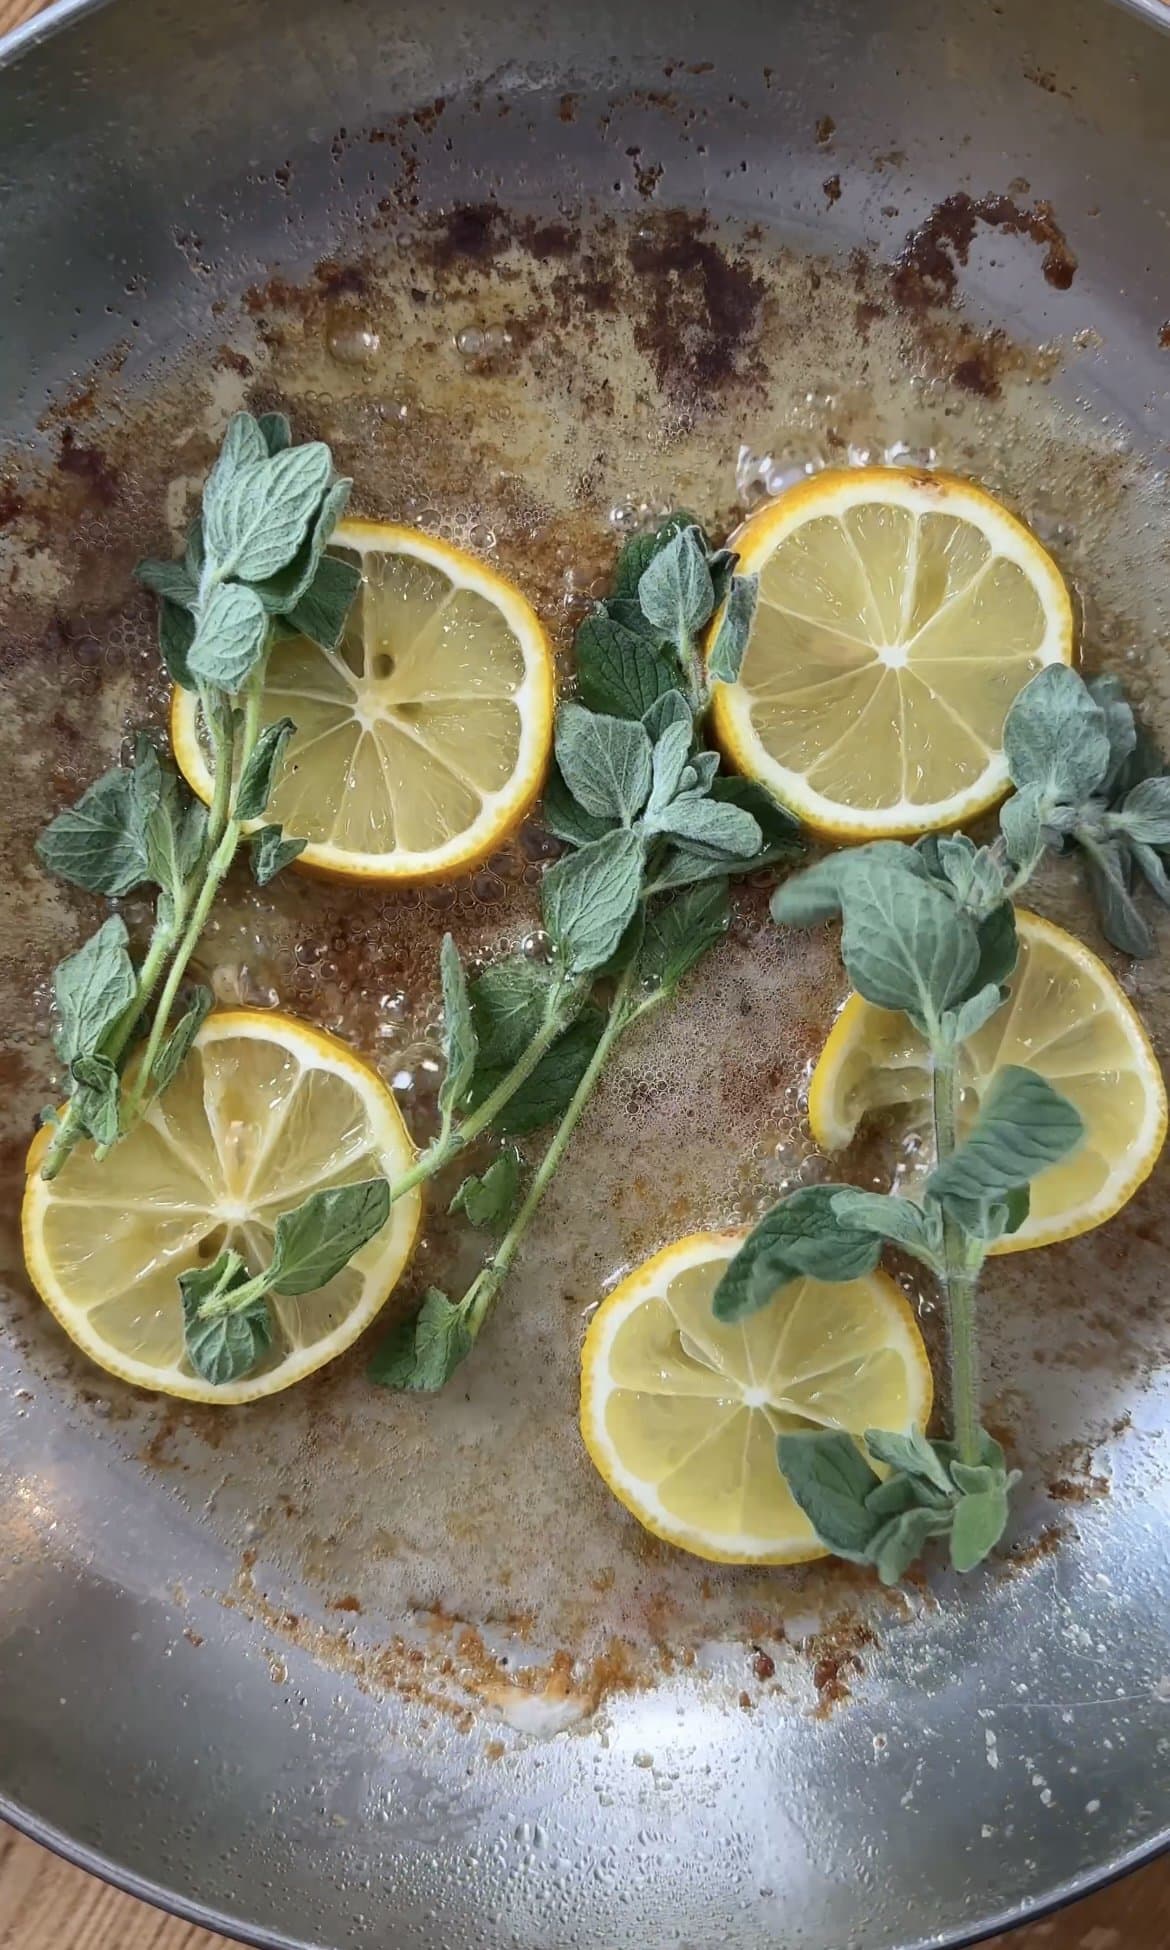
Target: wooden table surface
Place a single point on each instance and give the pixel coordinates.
(47, 1905)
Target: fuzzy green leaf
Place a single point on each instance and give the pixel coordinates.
(701, 822)
(680, 931)
(1055, 737)
(801, 1237)
(322, 611)
(254, 525)
(255, 787)
(92, 989)
(979, 1523)
(225, 1343)
(675, 591)
(896, 1219)
(735, 627)
(231, 633)
(640, 551)
(508, 1004)
(545, 1096)
(420, 1355)
(904, 943)
(829, 1479)
(174, 1051)
(488, 1199)
(319, 1237)
(568, 820)
(604, 761)
(620, 671)
(1023, 1126)
(1107, 870)
(271, 851)
(912, 1454)
(589, 897)
(460, 1044)
(98, 844)
(96, 1096)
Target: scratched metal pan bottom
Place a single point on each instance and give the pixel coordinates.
(343, 1669)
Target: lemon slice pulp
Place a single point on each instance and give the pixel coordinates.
(264, 1111)
(680, 1412)
(900, 613)
(1066, 1018)
(424, 739)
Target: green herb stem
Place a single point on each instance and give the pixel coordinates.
(221, 725)
(958, 1277)
(69, 1131)
(212, 874)
(564, 1005)
(483, 1293)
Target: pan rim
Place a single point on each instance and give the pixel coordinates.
(118, 1875)
(42, 27)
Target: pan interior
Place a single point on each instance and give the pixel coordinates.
(435, 1684)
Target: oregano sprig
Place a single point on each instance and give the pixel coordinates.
(254, 567)
(228, 1325)
(929, 931)
(653, 832)
(1089, 781)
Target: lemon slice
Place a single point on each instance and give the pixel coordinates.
(1066, 1018)
(899, 615)
(680, 1413)
(425, 738)
(264, 1111)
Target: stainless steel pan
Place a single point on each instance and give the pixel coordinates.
(242, 1671)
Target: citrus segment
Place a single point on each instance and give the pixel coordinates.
(680, 1412)
(1067, 1018)
(264, 1111)
(424, 738)
(899, 615)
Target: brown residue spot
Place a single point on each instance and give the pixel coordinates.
(745, 1701)
(347, 1602)
(1064, 1489)
(338, 280)
(836, 1658)
(832, 189)
(97, 482)
(567, 108)
(977, 374)
(927, 270)
(700, 308)
(763, 1664)
(12, 504)
(192, 1636)
(1164, 336)
(647, 177)
(825, 131)
(428, 116)
(1022, 1557)
(473, 230)
(551, 240)
(229, 360)
(495, 1750)
(867, 313)
(1041, 78)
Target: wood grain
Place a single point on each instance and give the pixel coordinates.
(12, 12)
(47, 1905)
